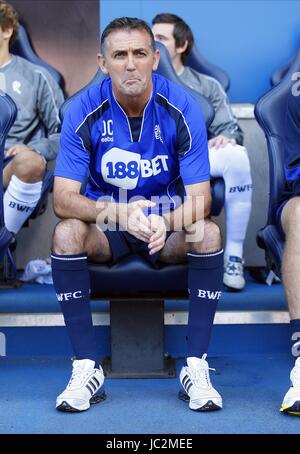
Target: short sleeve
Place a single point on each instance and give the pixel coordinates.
(192, 145)
(73, 158)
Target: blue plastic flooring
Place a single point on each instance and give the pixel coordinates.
(252, 388)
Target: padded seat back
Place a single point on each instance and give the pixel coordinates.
(23, 48)
(270, 112)
(166, 69)
(198, 62)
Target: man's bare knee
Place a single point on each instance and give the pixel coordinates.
(210, 240)
(29, 167)
(290, 217)
(69, 237)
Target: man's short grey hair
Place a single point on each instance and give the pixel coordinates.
(126, 23)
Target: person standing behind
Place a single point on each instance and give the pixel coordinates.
(228, 158)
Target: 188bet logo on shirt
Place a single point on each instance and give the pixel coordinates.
(124, 172)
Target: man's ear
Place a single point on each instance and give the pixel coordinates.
(102, 63)
(156, 60)
(182, 49)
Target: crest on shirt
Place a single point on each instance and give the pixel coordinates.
(157, 133)
(16, 86)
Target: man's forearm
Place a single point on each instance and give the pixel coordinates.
(192, 210)
(72, 205)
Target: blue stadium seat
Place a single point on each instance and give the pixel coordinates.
(23, 48)
(136, 290)
(280, 72)
(8, 113)
(166, 69)
(270, 112)
(197, 61)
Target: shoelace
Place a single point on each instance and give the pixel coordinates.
(200, 377)
(234, 268)
(78, 377)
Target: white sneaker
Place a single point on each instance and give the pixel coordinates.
(196, 383)
(83, 387)
(291, 401)
(234, 272)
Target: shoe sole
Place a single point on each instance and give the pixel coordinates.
(100, 396)
(233, 289)
(294, 410)
(208, 406)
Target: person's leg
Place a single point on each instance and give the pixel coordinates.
(73, 242)
(290, 222)
(22, 178)
(205, 262)
(232, 163)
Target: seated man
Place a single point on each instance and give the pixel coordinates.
(134, 134)
(227, 159)
(288, 215)
(34, 138)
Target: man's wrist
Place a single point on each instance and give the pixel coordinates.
(167, 220)
(120, 212)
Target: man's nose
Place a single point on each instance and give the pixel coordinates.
(130, 63)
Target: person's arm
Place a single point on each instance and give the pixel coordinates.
(196, 207)
(49, 100)
(224, 123)
(68, 203)
(72, 168)
(187, 217)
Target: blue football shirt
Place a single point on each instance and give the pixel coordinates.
(97, 142)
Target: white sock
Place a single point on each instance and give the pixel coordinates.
(19, 201)
(236, 231)
(232, 163)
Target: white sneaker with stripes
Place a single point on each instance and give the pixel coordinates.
(84, 387)
(195, 380)
(291, 401)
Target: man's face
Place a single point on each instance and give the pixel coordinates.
(129, 60)
(5, 36)
(164, 34)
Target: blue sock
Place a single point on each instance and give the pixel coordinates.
(72, 286)
(205, 285)
(295, 337)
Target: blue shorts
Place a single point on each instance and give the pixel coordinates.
(124, 244)
(279, 214)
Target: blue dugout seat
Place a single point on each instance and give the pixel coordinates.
(198, 62)
(280, 72)
(23, 48)
(270, 112)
